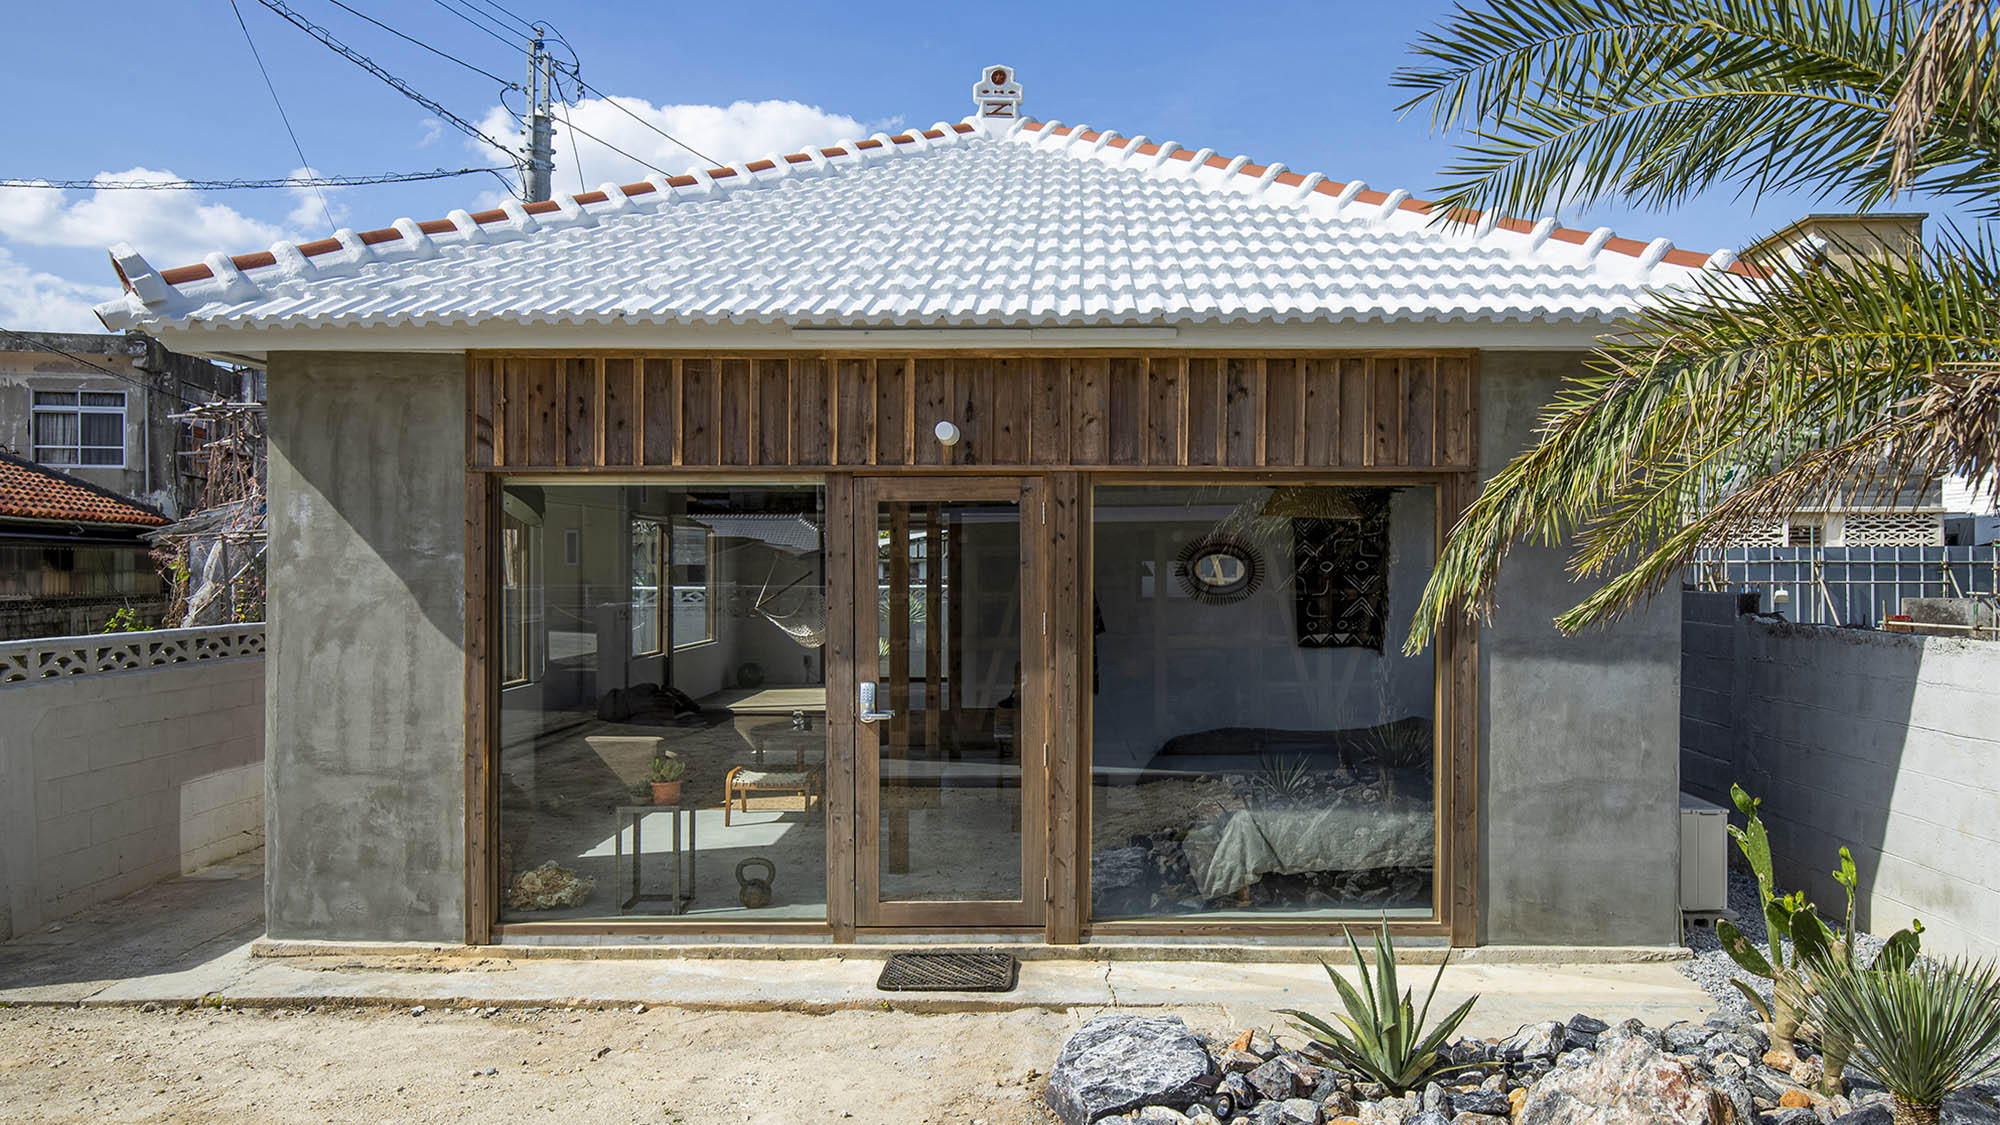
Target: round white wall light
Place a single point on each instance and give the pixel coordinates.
(947, 434)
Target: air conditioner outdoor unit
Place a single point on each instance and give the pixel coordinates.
(1704, 857)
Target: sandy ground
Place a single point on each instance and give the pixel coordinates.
(660, 1065)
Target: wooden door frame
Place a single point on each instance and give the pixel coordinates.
(1034, 724)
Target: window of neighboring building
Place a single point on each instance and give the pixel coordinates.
(646, 567)
(80, 428)
(693, 573)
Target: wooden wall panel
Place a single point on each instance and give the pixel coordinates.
(581, 392)
(1242, 385)
(736, 412)
(700, 410)
(621, 413)
(1090, 400)
(660, 412)
(1201, 412)
(814, 410)
(1163, 406)
(892, 412)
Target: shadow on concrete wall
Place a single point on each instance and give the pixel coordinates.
(1815, 721)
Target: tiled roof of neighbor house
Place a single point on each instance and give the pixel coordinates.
(34, 492)
(1038, 225)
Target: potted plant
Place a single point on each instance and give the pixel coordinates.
(666, 773)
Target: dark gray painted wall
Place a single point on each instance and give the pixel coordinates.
(1579, 836)
(366, 730)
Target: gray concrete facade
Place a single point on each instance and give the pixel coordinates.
(1879, 742)
(1579, 840)
(113, 781)
(366, 601)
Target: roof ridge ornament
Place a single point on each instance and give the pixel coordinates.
(996, 101)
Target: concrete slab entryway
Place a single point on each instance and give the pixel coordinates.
(191, 939)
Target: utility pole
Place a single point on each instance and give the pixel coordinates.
(536, 177)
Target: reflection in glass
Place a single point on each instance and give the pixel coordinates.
(949, 608)
(1260, 745)
(606, 691)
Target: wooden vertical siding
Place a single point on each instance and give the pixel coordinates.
(1335, 410)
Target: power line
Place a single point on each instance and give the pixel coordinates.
(640, 160)
(482, 27)
(103, 184)
(326, 37)
(574, 154)
(525, 25)
(282, 116)
(607, 99)
(426, 46)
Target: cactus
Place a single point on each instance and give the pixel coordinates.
(1787, 992)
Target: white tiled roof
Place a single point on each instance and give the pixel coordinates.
(1041, 226)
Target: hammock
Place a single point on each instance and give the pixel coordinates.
(805, 623)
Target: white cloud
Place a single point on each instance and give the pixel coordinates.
(34, 301)
(169, 227)
(739, 131)
(311, 206)
(433, 129)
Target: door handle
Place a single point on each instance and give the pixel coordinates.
(864, 706)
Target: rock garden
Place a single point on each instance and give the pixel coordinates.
(1814, 1024)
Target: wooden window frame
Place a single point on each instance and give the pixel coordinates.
(610, 431)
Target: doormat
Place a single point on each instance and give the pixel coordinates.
(949, 972)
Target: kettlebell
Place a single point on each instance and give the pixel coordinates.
(755, 893)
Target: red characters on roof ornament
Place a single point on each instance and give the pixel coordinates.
(996, 100)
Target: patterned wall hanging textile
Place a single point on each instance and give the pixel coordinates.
(1341, 576)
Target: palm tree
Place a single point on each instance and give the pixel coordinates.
(1758, 390)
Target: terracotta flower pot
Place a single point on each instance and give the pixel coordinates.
(666, 792)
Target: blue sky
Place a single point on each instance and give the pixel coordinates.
(171, 87)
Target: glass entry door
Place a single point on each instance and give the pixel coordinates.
(949, 749)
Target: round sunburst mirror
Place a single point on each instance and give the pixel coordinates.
(1220, 571)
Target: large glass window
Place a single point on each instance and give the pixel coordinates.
(79, 428)
(732, 729)
(1261, 748)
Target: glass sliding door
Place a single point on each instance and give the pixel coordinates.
(948, 750)
(1261, 748)
(666, 633)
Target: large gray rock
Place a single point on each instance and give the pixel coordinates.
(1535, 1041)
(1117, 1063)
(1630, 1083)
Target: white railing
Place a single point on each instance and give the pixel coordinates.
(44, 657)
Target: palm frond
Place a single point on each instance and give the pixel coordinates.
(1655, 101)
(1743, 399)
(1950, 81)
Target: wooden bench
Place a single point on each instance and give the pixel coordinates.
(741, 781)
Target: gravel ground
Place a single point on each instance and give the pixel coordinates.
(1712, 969)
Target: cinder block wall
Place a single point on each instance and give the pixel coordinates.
(113, 781)
(1882, 742)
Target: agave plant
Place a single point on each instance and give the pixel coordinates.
(1922, 1030)
(1381, 1037)
(1284, 777)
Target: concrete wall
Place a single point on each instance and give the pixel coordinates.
(1881, 742)
(113, 781)
(366, 732)
(1578, 836)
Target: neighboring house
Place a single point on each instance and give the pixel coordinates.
(1008, 526)
(1887, 514)
(101, 408)
(71, 553)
